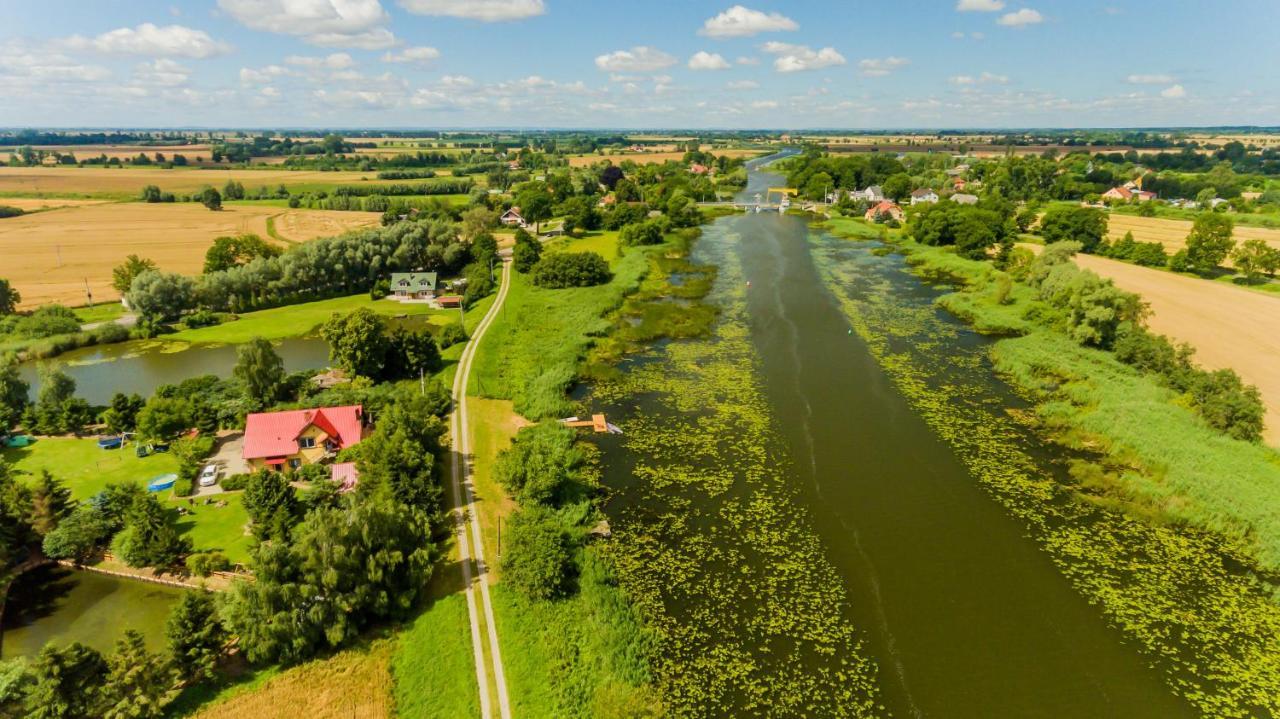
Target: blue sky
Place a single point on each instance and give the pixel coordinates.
(572, 63)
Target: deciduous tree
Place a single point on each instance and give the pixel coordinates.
(260, 369)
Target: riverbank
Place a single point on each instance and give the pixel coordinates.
(1153, 517)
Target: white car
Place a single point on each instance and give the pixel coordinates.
(209, 475)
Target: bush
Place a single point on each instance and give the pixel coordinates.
(206, 563)
(9, 211)
(235, 482)
(537, 560)
(200, 318)
(183, 487)
(571, 269)
(649, 232)
(451, 334)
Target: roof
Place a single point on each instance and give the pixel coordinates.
(346, 475)
(964, 199)
(413, 281)
(275, 434)
(515, 210)
(922, 192)
(1121, 191)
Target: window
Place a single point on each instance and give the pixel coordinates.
(306, 442)
(295, 463)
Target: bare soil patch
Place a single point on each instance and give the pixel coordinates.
(50, 256)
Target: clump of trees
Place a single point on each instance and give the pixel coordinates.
(1092, 309)
(1085, 225)
(1208, 245)
(972, 230)
(228, 252)
(526, 253)
(361, 344)
(571, 269)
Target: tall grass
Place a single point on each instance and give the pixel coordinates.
(534, 347)
(1173, 462)
(433, 666)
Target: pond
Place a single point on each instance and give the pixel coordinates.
(804, 540)
(54, 604)
(142, 366)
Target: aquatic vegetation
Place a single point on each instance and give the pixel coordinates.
(1195, 602)
(749, 616)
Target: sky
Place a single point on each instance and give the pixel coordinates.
(639, 63)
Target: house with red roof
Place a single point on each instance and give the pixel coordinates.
(885, 208)
(288, 440)
(1125, 193)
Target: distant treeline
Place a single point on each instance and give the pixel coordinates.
(33, 137)
(439, 186)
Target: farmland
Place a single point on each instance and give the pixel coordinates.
(649, 158)
(51, 256)
(193, 153)
(1228, 326)
(1173, 233)
(125, 183)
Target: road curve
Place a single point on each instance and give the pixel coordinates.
(470, 545)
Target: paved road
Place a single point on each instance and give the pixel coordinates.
(470, 546)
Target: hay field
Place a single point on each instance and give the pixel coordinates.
(1173, 233)
(49, 256)
(32, 204)
(130, 181)
(352, 684)
(85, 152)
(1227, 325)
(648, 158)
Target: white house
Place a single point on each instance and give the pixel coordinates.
(871, 194)
(923, 194)
(513, 217)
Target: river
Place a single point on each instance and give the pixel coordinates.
(958, 607)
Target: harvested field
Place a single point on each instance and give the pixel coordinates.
(31, 204)
(93, 239)
(34, 181)
(85, 152)
(1228, 326)
(352, 684)
(648, 158)
(1173, 233)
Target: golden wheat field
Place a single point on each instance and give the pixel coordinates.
(1173, 233)
(354, 684)
(117, 181)
(193, 153)
(32, 204)
(49, 256)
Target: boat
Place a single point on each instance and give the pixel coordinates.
(161, 483)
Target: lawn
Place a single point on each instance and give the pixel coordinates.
(87, 470)
(493, 424)
(604, 242)
(101, 312)
(302, 319)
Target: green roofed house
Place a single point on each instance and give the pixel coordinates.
(413, 285)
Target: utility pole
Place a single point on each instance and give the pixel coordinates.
(88, 292)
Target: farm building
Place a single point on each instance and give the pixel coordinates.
(1125, 193)
(413, 285)
(699, 169)
(277, 440)
(884, 208)
(512, 217)
(923, 194)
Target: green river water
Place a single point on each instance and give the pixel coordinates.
(805, 518)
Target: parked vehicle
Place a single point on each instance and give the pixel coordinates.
(209, 475)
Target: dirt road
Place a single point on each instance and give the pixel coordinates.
(467, 520)
(1228, 326)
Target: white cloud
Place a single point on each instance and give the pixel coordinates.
(162, 72)
(264, 75)
(150, 39)
(331, 23)
(483, 10)
(335, 61)
(1173, 92)
(420, 55)
(739, 21)
(744, 60)
(986, 78)
(979, 5)
(795, 58)
(703, 60)
(269, 92)
(457, 81)
(1022, 18)
(637, 59)
(42, 67)
(764, 105)
(879, 67)
(1149, 79)
(742, 85)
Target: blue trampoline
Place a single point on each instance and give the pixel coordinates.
(161, 483)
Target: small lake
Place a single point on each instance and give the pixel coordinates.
(55, 604)
(142, 366)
